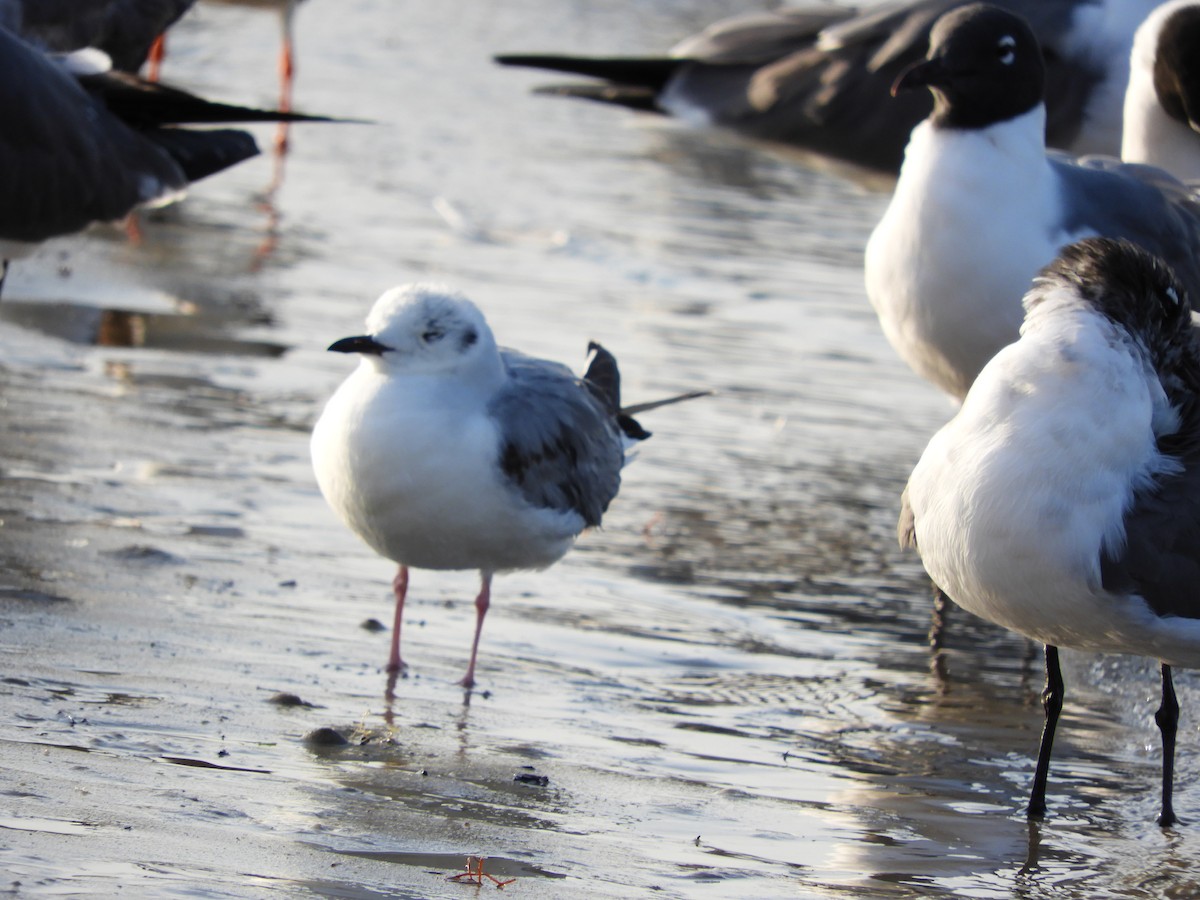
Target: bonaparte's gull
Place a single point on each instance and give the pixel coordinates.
(443, 451)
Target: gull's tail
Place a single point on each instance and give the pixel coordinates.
(625, 81)
(604, 380)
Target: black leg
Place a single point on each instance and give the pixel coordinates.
(3, 273)
(937, 626)
(1167, 718)
(1052, 699)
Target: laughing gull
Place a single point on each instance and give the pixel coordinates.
(1063, 499)
(979, 206)
(818, 76)
(1162, 103)
(442, 451)
(83, 144)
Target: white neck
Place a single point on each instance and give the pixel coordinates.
(1150, 135)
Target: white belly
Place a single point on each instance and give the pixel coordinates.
(422, 486)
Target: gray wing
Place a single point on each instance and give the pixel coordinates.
(1161, 557)
(1140, 203)
(760, 37)
(560, 447)
(65, 161)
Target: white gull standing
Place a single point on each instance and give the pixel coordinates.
(1063, 499)
(443, 451)
(979, 206)
(1162, 102)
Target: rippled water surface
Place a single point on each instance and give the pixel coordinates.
(725, 692)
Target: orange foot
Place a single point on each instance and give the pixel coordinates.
(475, 874)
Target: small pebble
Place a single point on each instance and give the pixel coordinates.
(284, 698)
(325, 737)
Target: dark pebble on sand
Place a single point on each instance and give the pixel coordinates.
(283, 698)
(325, 737)
(531, 779)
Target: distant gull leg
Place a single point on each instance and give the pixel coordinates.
(287, 73)
(158, 52)
(1167, 718)
(482, 602)
(1052, 701)
(3, 274)
(400, 589)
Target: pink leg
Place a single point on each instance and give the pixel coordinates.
(287, 75)
(400, 589)
(482, 602)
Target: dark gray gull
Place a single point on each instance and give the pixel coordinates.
(818, 76)
(442, 451)
(1162, 102)
(980, 207)
(83, 144)
(123, 29)
(1063, 499)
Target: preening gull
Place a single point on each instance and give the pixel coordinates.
(1063, 499)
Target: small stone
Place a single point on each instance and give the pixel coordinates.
(325, 737)
(531, 779)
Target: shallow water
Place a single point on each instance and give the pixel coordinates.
(727, 689)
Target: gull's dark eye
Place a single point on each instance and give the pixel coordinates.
(432, 334)
(1006, 50)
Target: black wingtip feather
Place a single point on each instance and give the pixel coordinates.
(203, 153)
(651, 73)
(603, 378)
(142, 104)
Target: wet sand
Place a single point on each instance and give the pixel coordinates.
(724, 692)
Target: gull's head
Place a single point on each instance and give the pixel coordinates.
(1132, 288)
(424, 329)
(984, 66)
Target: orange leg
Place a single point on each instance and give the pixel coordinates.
(475, 874)
(158, 52)
(287, 77)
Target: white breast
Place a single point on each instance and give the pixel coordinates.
(973, 218)
(412, 467)
(1015, 497)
